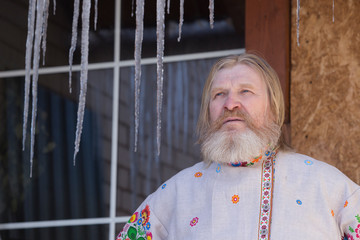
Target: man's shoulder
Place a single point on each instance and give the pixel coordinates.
(187, 173)
(303, 164)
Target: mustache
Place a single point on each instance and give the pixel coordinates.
(236, 113)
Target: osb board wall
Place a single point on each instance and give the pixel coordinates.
(325, 83)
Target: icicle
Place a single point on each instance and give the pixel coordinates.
(137, 55)
(333, 8)
(54, 5)
(84, 71)
(44, 28)
(96, 14)
(28, 55)
(132, 8)
(36, 59)
(168, 7)
(181, 20)
(298, 22)
(211, 10)
(73, 38)
(160, 28)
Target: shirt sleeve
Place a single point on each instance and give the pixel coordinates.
(349, 217)
(143, 224)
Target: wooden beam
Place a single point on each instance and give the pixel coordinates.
(267, 32)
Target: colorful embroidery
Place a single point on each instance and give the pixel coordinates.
(198, 174)
(145, 214)
(245, 163)
(134, 217)
(218, 168)
(332, 213)
(235, 199)
(356, 232)
(299, 202)
(308, 162)
(349, 237)
(346, 203)
(194, 221)
(137, 227)
(163, 186)
(148, 236)
(266, 195)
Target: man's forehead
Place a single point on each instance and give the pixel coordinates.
(239, 74)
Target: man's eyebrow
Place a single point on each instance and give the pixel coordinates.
(217, 89)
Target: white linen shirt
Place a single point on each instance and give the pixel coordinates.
(310, 200)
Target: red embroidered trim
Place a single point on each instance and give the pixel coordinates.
(267, 183)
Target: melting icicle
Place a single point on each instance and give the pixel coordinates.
(333, 8)
(168, 7)
(181, 20)
(132, 8)
(298, 22)
(84, 71)
(73, 38)
(137, 55)
(28, 55)
(44, 28)
(160, 28)
(36, 59)
(96, 14)
(54, 5)
(211, 10)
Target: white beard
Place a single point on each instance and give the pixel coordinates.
(233, 147)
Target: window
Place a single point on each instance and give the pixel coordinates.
(95, 197)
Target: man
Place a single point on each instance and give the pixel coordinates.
(249, 185)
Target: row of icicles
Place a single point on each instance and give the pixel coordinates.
(36, 41)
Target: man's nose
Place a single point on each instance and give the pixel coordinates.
(232, 103)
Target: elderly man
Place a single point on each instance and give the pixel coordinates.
(249, 185)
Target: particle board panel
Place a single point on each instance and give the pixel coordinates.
(325, 83)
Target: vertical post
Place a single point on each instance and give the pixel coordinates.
(267, 32)
(115, 119)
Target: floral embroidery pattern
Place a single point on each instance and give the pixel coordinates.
(245, 163)
(163, 186)
(134, 217)
(148, 235)
(299, 202)
(235, 199)
(346, 203)
(194, 221)
(332, 213)
(218, 168)
(198, 174)
(356, 232)
(349, 237)
(308, 162)
(266, 195)
(137, 227)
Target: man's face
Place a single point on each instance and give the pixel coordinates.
(238, 88)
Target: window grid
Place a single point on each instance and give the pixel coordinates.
(116, 65)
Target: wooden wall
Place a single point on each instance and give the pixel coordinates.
(325, 83)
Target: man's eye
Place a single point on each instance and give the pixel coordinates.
(219, 94)
(245, 91)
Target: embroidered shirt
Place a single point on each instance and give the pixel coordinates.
(293, 197)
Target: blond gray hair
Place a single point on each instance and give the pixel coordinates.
(268, 75)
